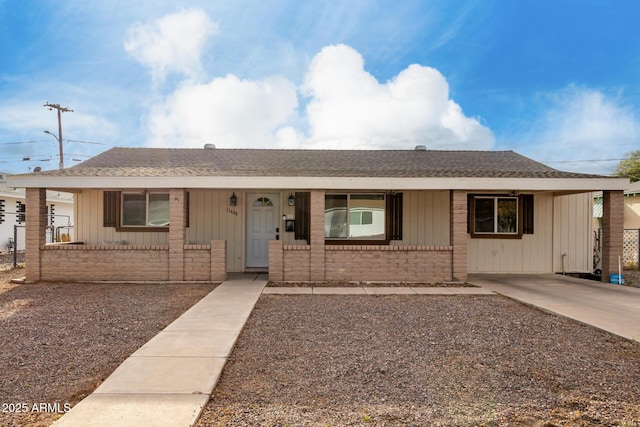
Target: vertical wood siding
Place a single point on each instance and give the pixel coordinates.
(425, 218)
(573, 233)
(89, 220)
(531, 254)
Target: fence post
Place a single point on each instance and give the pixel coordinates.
(15, 246)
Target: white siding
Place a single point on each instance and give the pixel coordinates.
(531, 254)
(89, 220)
(573, 233)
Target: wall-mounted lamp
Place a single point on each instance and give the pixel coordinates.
(233, 200)
(284, 217)
(291, 200)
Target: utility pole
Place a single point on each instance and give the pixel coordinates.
(60, 111)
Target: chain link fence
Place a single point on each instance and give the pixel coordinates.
(17, 244)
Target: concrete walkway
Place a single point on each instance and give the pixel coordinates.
(169, 380)
(364, 290)
(613, 308)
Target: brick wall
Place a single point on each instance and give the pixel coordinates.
(36, 221)
(197, 263)
(612, 231)
(80, 263)
(458, 238)
(296, 262)
(104, 263)
(370, 263)
(389, 263)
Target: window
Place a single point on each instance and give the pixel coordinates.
(500, 216)
(145, 210)
(355, 216)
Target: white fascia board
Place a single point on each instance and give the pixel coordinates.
(324, 183)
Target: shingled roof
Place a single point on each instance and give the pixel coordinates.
(173, 162)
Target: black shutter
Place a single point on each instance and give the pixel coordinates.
(111, 209)
(394, 209)
(527, 213)
(2, 210)
(187, 211)
(303, 216)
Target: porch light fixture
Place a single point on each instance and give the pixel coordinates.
(233, 200)
(291, 200)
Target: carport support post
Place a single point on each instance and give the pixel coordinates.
(612, 231)
(36, 222)
(177, 233)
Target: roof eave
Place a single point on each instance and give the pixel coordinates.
(326, 183)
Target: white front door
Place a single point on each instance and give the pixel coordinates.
(262, 221)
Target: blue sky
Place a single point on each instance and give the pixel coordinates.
(558, 81)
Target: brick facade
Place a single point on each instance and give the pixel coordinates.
(36, 222)
(368, 263)
(612, 231)
(317, 262)
(149, 263)
(177, 234)
(458, 238)
(85, 263)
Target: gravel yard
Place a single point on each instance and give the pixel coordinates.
(60, 341)
(423, 360)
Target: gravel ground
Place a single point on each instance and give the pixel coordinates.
(60, 341)
(423, 360)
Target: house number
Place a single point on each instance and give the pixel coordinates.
(232, 211)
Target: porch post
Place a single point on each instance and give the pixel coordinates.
(177, 233)
(458, 235)
(36, 222)
(612, 231)
(317, 261)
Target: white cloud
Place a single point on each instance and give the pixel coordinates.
(171, 44)
(349, 108)
(583, 124)
(227, 111)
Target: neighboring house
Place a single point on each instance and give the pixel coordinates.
(317, 215)
(59, 210)
(631, 207)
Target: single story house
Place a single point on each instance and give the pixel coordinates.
(59, 211)
(152, 214)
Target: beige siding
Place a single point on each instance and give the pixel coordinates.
(573, 233)
(425, 218)
(632, 212)
(211, 218)
(531, 254)
(89, 220)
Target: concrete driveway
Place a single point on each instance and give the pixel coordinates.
(613, 308)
